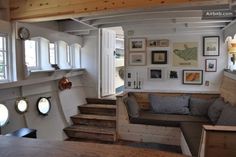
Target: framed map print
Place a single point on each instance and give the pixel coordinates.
(185, 54)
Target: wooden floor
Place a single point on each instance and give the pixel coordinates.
(22, 147)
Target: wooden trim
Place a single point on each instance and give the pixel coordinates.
(219, 128)
(44, 10)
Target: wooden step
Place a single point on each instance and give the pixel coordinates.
(98, 109)
(94, 120)
(100, 101)
(91, 133)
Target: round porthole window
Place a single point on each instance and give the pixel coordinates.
(44, 105)
(21, 105)
(4, 115)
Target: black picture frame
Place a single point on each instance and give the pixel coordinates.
(192, 77)
(159, 57)
(211, 65)
(211, 46)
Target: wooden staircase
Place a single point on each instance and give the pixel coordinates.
(96, 122)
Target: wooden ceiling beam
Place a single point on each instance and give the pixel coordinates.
(44, 10)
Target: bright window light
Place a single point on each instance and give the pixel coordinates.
(3, 58)
(22, 106)
(4, 115)
(68, 55)
(44, 106)
(52, 53)
(31, 53)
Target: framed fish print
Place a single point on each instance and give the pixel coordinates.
(193, 77)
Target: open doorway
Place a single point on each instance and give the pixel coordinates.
(112, 60)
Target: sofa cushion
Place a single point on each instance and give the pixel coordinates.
(215, 110)
(132, 106)
(199, 107)
(228, 116)
(169, 104)
(169, 120)
(192, 133)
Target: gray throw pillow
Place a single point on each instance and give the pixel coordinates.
(215, 110)
(132, 106)
(169, 104)
(199, 107)
(228, 116)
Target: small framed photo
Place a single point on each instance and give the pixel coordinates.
(137, 59)
(159, 57)
(155, 73)
(193, 77)
(211, 46)
(137, 44)
(158, 43)
(211, 65)
(173, 74)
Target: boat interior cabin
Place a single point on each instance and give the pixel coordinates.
(117, 78)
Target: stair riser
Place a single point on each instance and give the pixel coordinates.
(100, 101)
(99, 123)
(91, 136)
(98, 111)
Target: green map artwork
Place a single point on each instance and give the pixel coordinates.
(185, 54)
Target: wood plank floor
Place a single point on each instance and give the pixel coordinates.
(21, 147)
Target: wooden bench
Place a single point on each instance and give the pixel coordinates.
(145, 132)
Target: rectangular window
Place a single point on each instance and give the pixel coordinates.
(3, 58)
(31, 54)
(68, 55)
(52, 53)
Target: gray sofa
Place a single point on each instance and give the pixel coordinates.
(196, 112)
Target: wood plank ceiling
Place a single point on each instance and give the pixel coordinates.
(78, 17)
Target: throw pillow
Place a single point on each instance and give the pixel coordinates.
(228, 116)
(132, 106)
(169, 104)
(215, 110)
(199, 107)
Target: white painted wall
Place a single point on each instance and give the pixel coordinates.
(90, 60)
(176, 85)
(64, 103)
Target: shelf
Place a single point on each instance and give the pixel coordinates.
(72, 73)
(230, 74)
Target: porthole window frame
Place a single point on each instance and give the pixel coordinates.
(44, 114)
(16, 105)
(7, 117)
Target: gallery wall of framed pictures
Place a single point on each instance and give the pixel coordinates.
(166, 60)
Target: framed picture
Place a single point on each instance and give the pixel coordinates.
(193, 77)
(185, 54)
(173, 74)
(211, 65)
(159, 57)
(155, 73)
(158, 43)
(137, 59)
(137, 44)
(211, 46)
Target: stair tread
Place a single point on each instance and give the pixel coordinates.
(105, 106)
(95, 117)
(91, 129)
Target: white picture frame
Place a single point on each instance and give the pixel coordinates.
(137, 59)
(137, 44)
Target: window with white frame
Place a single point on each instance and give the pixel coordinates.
(68, 55)
(31, 54)
(52, 53)
(3, 58)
